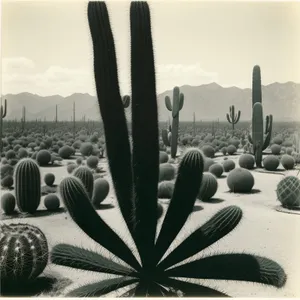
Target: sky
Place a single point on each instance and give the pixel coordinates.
(47, 49)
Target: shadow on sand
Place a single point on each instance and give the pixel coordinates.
(213, 201)
(253, 191)
(104, 206)
(45, 190)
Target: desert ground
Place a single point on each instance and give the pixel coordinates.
(262, 231)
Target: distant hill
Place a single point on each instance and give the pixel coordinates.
(209, 102)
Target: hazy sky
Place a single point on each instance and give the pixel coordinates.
(46, 46)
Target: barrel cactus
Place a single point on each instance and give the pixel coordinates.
(247, 161)
(100, 192)
(209, 186)
(86, 176)
(240, 180)
(287, 161)
(165, 189)
(288, 192)
(275, 149)
(27, 185)
(43, 157)
(49, 179)
(86, 149)
(228, 165)
(7, 182)
(52, 202)
(208, 162)
(271, 162)
(208, 151)
(216, 169)
(23, 252)
(163, 157)
(231, 149)
(8, 203)
(92, 161)
(166, 172)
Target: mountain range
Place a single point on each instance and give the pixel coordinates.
(209, 102)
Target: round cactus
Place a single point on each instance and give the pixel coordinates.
(10, 154)
(209, 186)
(240, 180)
(163, 157)
(275, 149)
(231, 149)
(288, 192)
(7, 182)
(100, 192)
(271, 162)
(216, 169)
(165, 190)
(207, 163)
(86, 177)
(247, 161)
(166, 172)
(71, 167)
(65, 152)
(287, 162)
(52, 202)
(208, 151)
(27, 185)
(23, 251)
(8, 203)
(6, 170)
(43, 157)
(224, 150)
(22, 153)
(49, 179)
(92, 162)
(228, 165)
(277, 140)
(86, 149)
(79, 161)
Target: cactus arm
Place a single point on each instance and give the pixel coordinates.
(228, 118)
(268, 132)
(267, 124)
(4, 110)
(237, 118)
(181, 101)
(168, 103)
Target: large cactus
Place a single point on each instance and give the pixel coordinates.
(232, 118)
(259, 142)
(178, 99)
(23, 253)
(3, 111)
(27, 185)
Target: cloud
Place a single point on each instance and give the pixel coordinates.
(20, 75)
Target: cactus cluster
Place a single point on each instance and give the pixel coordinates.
(23, 252)
(135, 178)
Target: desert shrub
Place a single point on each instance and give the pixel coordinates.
(207, 163)
(22, 153)
(208, 188)
(8, 203)
(240, 180)
(163, 157)
(65, 152)
(275, 149)
(92, 162)
(6, 170)
(71, 167)
(7, 182)
(271, 162)
(166, 172)
(228, 165)
(208, 151)
(231, 149)
(247, 161)
(10, 154)
(224, 150)
(52, 202)
(288, 192)
(86, 149)
(165, 189)
(287, 162)
(49, 179)
(216, 169)
(100, 192)
(43, 157)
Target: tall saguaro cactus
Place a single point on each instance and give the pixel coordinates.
(178, 99)
(2, 116)
(260, 143)
(233, 118)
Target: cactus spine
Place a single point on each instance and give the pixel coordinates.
(27, 185)
(257, 139)
(233, 118)
(23, 251)
(2, 116)
(178, 99)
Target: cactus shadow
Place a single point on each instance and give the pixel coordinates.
(213, 200)
(54, 165)
(39, 213)
(222, 176)
(197, 208)
(102, 206)
(253, 191)
(30, 288)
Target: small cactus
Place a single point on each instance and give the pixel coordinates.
(23, 252)
(288, 192)
(86, 176)
(8, 203)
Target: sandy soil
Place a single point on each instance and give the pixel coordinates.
(262, 231)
